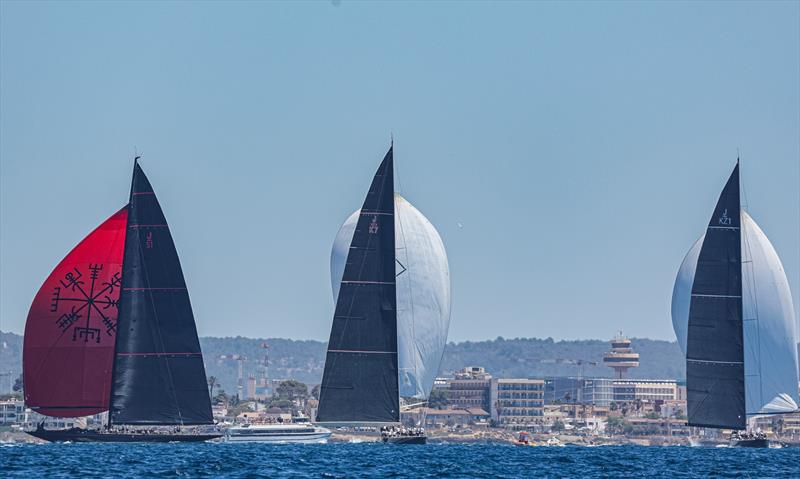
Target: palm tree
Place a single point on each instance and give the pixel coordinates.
(212, 382)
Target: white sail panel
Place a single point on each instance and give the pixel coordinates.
(770, 336)
(423, 294)
(782, 403)
(682, 293)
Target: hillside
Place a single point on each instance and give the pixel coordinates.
(304, 359)
(301, 360)
(10, 360)
(523, 357)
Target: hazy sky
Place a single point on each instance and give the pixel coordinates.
(581, 145)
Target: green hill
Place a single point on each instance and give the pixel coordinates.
(530, 357)
(304, 359)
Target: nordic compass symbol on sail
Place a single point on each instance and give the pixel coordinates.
(85, 300)
(373, 227)
(725, 219)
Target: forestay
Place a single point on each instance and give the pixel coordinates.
(359, 383)
(158, 376)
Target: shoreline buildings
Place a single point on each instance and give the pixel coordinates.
(524, 402)
(469, 388)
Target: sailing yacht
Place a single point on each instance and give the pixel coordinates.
(112, 329)
(732, 313)
(378, 351)
(422, 277)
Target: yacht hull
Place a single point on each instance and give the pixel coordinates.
(88, 435)
(753, 443)
(406, 440)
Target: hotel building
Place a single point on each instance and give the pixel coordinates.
(517, 402)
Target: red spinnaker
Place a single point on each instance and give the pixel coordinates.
(69, 336)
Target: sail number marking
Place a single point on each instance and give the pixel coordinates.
(373, 226)
(725, 219)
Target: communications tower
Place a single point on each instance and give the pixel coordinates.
(621, 357)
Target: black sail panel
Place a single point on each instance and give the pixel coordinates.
(158, 375)
(359, 383)
(715, 340)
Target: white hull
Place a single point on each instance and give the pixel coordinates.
(321, 438)
(277, 435)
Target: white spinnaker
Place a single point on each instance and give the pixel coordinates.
(770, 333)
(423, 294)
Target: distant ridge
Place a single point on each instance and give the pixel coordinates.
(304, 359)
(528, 357)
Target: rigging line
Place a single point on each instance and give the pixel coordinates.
(752, 292)
(753, 295)
(129, 212)
(397, 172)
(746, 204)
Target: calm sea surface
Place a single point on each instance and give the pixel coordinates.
(378, 460)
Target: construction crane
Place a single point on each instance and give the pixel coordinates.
(265, 365)
(577, 362)
(579, 389)
(239, 381)
(10, 376)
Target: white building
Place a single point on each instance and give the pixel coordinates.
(517, 403)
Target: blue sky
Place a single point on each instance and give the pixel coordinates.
(581, 145)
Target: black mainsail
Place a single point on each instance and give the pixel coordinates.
(359, 383)
(715, 340)
(158, 373)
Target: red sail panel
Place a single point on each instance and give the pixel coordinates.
(68, 350)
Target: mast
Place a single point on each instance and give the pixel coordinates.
(136, 157)
(158, 375)
(715, 339)
(360, 380)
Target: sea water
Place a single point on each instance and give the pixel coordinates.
(48, 461)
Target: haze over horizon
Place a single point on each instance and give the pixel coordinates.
(568, 154)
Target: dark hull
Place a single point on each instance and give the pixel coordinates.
(85, 435)
(756, 443)
(406, 440)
